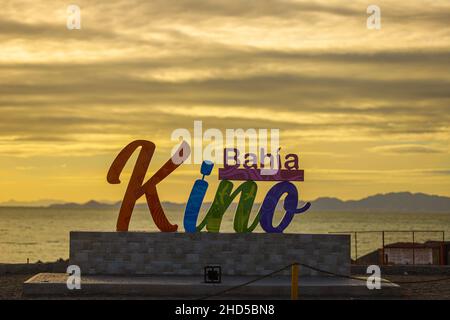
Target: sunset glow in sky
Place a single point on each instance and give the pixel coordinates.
(367, 111)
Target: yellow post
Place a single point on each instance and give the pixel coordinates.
(294, 281)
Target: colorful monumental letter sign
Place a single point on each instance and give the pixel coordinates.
(224, 195)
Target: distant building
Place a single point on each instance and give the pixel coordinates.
(413, 253)
(408, 253)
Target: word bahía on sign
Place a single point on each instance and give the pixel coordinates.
(260, 171)
(223, 198)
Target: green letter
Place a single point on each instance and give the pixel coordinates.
(222, 201)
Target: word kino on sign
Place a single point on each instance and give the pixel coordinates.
(224, 194)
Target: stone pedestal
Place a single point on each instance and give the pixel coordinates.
(251, 254)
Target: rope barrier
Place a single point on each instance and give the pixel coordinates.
(319, 271)
(247, 283)
(359, 278)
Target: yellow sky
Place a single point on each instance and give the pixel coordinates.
(367, 110)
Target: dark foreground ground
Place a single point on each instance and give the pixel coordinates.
(11, 287)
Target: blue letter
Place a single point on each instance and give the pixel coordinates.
(196, 198)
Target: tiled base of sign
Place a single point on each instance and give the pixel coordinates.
(241, 254)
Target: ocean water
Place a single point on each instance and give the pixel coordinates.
(43, 234)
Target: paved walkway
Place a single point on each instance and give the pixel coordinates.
(276, 287)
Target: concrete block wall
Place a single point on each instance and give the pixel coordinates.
(29, 268)
(149, 253)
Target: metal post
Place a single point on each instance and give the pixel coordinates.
(414, 248)
(356, 247)
(442, 248)
(382, 250)
(294, 281)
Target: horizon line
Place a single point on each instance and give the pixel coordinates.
(115, 202)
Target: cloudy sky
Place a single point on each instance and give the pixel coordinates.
(368, 111)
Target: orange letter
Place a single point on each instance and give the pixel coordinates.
(137, 189)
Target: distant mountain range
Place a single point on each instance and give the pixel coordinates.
(37, 203)
(390, 202)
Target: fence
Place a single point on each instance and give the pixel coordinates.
(411, 246)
